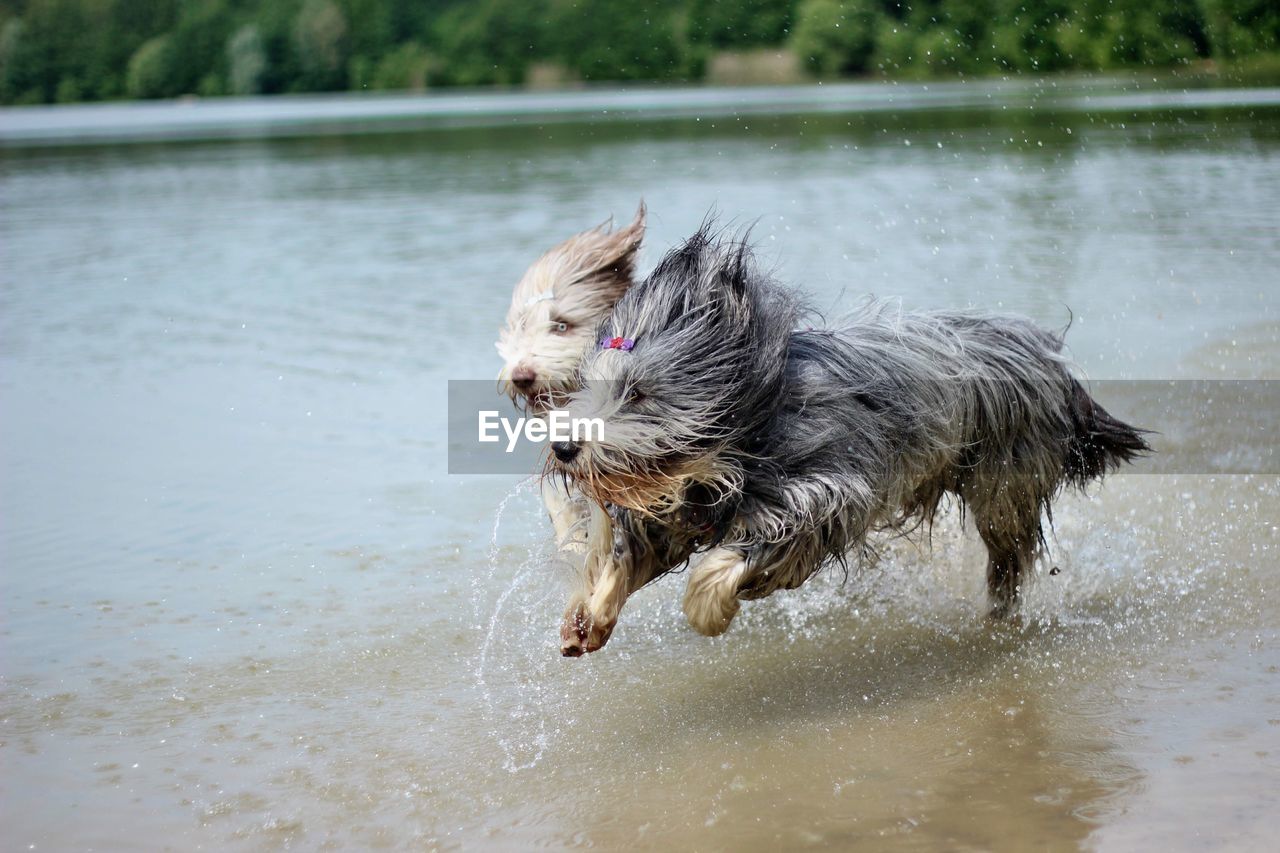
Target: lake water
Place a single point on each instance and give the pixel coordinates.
(244, 606)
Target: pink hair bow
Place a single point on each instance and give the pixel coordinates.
(624, 344)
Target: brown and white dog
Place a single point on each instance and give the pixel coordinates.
(555, 310)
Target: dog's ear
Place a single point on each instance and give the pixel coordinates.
(607, 258)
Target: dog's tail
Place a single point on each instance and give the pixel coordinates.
(1099, 443)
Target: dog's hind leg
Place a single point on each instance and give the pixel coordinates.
(1012, 538)
(711, 596)
(727, 576)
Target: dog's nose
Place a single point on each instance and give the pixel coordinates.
(564, 450)
(523, 377)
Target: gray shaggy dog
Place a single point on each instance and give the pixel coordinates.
(770, 453)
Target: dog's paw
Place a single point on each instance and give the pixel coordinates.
(710, 616)
(711, 598)
(580, 634)
(573, 632)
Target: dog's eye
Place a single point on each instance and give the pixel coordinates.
(635, 396)
(560, 327)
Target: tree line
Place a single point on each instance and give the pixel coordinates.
(86, 50)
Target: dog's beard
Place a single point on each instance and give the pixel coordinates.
(546, 399)
(655, 488)
(546, 396)
(649, 492)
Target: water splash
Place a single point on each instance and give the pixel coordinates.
(518, 718)
(509, 747)
(1114, 580)
(516, 491)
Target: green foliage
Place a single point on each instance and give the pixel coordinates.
(939, 52)
(49, 50)
(199, 47)
(275, 27)
(369, 25)
(895, 48)
(69, 50)
(149, 69)
(68, 91)
(1025, 40)
(1138, 38)
(320, 44)
(1236, 29)
(15, 82)
(490, 41)
(746, 23)
(836, 36)
(409, 66)
(605, 40)
(246, 61)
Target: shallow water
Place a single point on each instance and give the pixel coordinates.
(244, 606)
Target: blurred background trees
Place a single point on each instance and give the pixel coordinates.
(77, 50)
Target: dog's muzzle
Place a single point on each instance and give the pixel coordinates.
(565, 451)
(523, 378)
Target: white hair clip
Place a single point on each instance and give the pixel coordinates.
(541, 297)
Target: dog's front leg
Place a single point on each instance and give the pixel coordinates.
(624, 552)
(569, 512)
(593, 611)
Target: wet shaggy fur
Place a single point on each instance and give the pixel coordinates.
(557, 306)
(555, 310)
(779, 451)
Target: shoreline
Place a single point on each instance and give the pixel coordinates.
(199, 119)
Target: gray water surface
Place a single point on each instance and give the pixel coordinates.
(244, 605)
